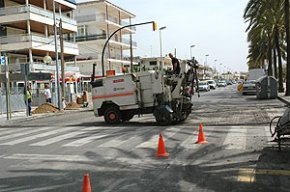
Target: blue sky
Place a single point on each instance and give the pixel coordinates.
(215, 27)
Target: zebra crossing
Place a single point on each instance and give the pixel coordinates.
(116, 137)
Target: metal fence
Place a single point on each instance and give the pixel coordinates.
(17, 98)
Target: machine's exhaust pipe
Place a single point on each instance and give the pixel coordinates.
(94, 72)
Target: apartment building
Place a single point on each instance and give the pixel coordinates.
(97, 20)
(27, 33)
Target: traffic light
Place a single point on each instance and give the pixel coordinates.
(154, 26)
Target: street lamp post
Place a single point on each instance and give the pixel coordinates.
(191, 46)
(205, 65)
(221, 71)
(161, 56)
(215, 67)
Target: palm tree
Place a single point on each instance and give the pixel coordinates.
(266, 26)
(286, 6)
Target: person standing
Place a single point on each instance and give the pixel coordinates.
(47, 93)
(175, 64)
(28, 99)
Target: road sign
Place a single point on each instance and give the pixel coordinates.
(2, 60)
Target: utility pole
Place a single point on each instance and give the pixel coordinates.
(62, 59)
(7, 88)
(56, 59)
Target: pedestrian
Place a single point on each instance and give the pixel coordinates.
(28, 99)
(47, 93)
(63, 102)
(175, 64)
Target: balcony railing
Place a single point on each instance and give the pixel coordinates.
(90, 37)
(101, 18)
(102, 37)
(32, 38)
(127, 41)
(36, 10)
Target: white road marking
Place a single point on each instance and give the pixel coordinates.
(30, 138)
(22, 133)
(83, 141)
(268, 134)
(236, 138)
(113, 143)
(103, 131)
(81, 158)
(12, 130)
(47, 157)
(189, 142)
(152, 143)
(57, 139)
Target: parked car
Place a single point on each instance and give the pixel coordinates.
(249, 87)
(222, 84)
(212, 84)
(229, 82)
(203, 86)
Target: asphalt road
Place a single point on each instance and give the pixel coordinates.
(53, 153)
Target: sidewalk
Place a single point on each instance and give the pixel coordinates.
(21, 115)
(283, 97)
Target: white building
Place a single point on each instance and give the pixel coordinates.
(27, 35)
(97, 20)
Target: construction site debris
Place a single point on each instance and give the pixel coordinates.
(72, 105)
(45, 108)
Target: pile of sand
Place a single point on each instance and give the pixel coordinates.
(72, 105)
(45, 108)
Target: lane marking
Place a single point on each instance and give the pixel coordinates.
(248, 175)
(24, 133)
(114, 142)
(84, 141)
(236, 138)
(168, 133)
(89, 139)
(30, 138)
(118, 141)
(190, 141)
(268, 135)
(47, 157)
(12, 130)
(57, 139)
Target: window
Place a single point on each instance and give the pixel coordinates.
(82, 30)
(151, 63)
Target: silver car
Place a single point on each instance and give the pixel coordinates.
(249, 87)
(203, 86)
(212, 84)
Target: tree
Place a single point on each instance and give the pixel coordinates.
(265, 32)
(286, 6)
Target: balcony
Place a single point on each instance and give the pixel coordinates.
(66, 5)
(125, 43)
(39, 44)
(91, 37)
(12, 16)
(102, 22)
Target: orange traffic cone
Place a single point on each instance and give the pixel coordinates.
(201, 139)
(161, 152)
(86, 183)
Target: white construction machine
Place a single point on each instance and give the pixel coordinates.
(167, 97)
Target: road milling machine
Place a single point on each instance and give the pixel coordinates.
(168, 97)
